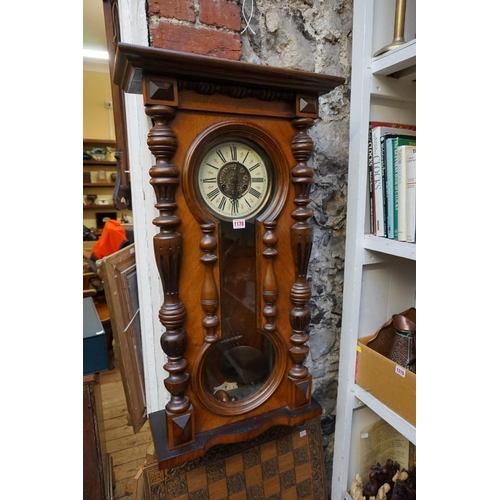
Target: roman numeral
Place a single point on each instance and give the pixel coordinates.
(209, 179)
(235, 206)
(213, 194)
(257, 179)
(234, 153)
(246, 156)
(222, 204)
(254, 167)
(221, 156)
(255, 193)
(216, 168)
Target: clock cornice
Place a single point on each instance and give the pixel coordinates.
(133, 62)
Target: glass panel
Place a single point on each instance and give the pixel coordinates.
(239, 364)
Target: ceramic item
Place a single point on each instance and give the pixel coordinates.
(91, 198)
(111, 153)
(98, 154)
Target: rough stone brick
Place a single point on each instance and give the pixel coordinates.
(196, 40)
(220, 13)
(183, 10)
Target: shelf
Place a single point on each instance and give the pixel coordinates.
(95, 163)
(98, 207)
(392, 418)
(400, 60)
(379, 273)
(391, 88)
(100, 142)
(390, 247)
(99, 184)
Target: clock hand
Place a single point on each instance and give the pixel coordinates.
(234, 185)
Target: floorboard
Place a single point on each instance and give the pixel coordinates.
(127, 449)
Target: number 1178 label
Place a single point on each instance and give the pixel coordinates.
(238, 223)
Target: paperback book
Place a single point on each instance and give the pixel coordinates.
(393, 142)
(370, 180)
(402, 168)
(411, 198)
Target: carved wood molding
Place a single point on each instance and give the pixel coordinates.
(236, 91)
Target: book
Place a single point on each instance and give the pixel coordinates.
(384, 181)
(402, 159)
(370, 180)
(371, 199)
(379, 129)
(411, 191)
(392, 186)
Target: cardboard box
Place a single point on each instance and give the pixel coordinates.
(388, 382)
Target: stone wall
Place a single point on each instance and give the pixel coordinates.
(312, 35)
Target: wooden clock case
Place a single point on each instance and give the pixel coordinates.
(193, 102)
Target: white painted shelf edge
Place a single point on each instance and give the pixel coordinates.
(398, 59)
(390, 247)
(399, 423)
(347, 496)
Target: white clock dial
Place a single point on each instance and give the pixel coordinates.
(233, 180)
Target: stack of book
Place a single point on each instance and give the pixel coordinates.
(392, 153)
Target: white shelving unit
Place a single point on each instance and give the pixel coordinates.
(379, 277)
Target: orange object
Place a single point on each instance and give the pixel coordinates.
(113, 235)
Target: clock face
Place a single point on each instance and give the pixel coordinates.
(234, 179)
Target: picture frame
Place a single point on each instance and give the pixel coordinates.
(102, 217)
(119, 275)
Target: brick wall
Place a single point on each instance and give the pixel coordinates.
(206, 27)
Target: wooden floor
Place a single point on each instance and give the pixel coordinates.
(127, 449)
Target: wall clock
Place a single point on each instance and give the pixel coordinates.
(232, 185)
(234, 179)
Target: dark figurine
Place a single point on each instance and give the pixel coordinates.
(405, 489)
(379, 476)
(375, 481)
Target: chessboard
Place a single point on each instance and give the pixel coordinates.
(284, 463)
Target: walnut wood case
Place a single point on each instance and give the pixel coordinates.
(194, 102)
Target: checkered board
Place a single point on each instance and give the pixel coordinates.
(284, 463)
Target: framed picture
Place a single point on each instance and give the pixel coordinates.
(102, 217)
(119, 275)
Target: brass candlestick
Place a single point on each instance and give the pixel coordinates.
(399, 28)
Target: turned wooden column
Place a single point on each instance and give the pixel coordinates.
(168, 243)
(270, 285)
(302, 237)
(209, 293)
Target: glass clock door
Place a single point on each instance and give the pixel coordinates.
(238, 365)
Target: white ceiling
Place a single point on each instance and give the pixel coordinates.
(94, 34)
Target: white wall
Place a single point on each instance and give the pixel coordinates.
(133, 27)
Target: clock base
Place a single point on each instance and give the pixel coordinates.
(232, 433)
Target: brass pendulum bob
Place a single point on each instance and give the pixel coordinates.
(399, 28)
